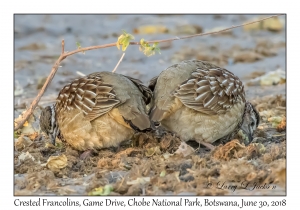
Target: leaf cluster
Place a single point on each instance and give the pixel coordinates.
(145, 47)
(124, 40)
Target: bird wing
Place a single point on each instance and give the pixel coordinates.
(152, 83)
(147, 93)
(88, 94)
(210, 90)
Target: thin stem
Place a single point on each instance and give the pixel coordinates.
(213, 32)
(118, 63)
(168, 40)
(62, 47)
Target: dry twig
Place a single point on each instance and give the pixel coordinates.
(21, 120)
(118, 63)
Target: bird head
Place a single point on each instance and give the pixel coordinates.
(48, 123)
(250, 121)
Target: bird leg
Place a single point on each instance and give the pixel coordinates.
(208, 145)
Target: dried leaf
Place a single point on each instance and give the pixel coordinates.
(184, 149)
(276, 120)
(22, 142)
(24, 155)
(229, 150)
(281, 176)
(152, 151)
(246, 56)
(176, 174)
(18, 91)
(163, 173)
(266, 114)
(33, 46)
(49, 145)
(32, 125)
(55, 163)
(270, 78)
(167, 155)
(33, 136)
(187, 29)
(260, 148)
(251, 176)
(282, 125)
(272, 24)
(140, 180)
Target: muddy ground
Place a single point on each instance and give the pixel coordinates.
(154, 163)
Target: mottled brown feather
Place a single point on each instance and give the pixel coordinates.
(88, 94)
(210, 89)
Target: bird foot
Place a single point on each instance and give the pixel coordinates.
(116, 149)
(208, 145)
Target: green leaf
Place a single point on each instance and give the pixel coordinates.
(156, 48)
(144, 43)
(58, 145)
(16, 134)
(147, 49)
(163, 173)
(79, 47)
(124, 40)
(106, 190)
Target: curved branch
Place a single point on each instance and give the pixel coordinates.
(20, 121)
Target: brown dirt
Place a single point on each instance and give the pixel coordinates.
(148, 165)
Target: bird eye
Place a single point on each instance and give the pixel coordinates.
(252, 124)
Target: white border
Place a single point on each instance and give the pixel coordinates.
(237, 6)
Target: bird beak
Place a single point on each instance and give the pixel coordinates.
(153, 125)
(247, 131)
